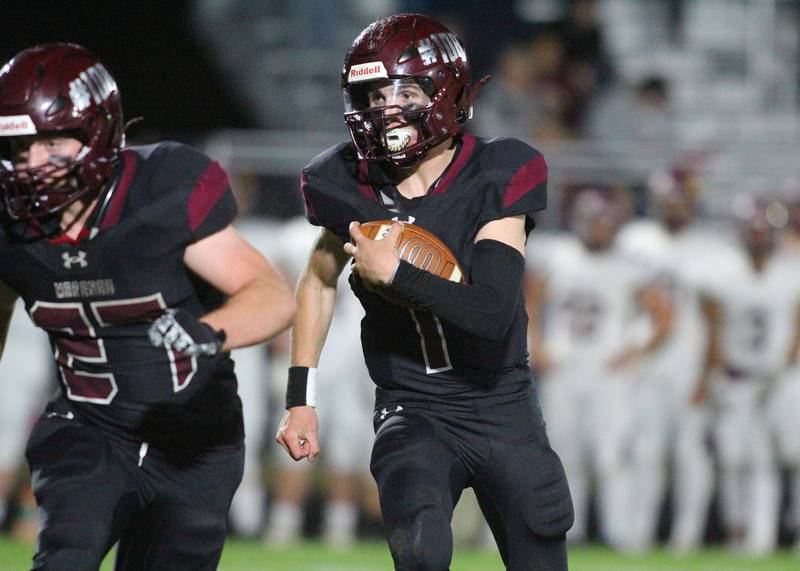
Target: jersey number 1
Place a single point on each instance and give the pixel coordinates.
(432, 341)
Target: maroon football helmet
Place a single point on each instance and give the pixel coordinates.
(401, 49)
(673, 195)
(595, 219)
(57, 89)
(757, 223)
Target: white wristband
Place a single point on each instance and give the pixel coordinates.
(311, 387)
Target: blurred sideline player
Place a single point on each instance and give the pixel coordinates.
(785, 400)
(584, 298)
(24, 373)
(126, 257)
(345, 417)
(252, 373)
(752, 316)
(670, 429)
(455, 403)
(789, 197)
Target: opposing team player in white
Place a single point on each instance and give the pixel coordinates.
(784, 402)
(346, 416)
(252, 365)
(23, 374)
(751, 312)
(670, 428)
(583, 302)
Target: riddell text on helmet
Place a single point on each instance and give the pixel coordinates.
(366, 71)
(13, 125)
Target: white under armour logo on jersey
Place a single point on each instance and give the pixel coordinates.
(385, 412)
(79, 259)
(409, 219)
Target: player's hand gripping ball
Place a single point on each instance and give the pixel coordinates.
(418, 247)
(411, 243)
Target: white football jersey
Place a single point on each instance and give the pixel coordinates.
(758, 313)
(681, 266)
(590, 301)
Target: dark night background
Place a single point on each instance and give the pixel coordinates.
(164, 75)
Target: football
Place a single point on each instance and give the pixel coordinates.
(419, 248)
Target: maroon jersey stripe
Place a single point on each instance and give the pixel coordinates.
(210, 187)
(468, 145)
(308, 203)
(130, 162)
(528, 177)
(64, 239)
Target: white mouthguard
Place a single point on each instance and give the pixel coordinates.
(397, 139)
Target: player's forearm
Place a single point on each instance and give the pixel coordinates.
(794, 349)
(704, 380)
(536, 339)
(315, 305)
(259, 311)
(485, 308)
(713, 354)
(534, 288)
(655, 340)
(659, 308)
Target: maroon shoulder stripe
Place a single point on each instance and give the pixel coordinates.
(528, 176)
(309, 205)
(211, 185)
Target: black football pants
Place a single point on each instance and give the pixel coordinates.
(92, 492)
(426, 454)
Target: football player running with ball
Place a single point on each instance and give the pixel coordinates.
(455, 404)
(124, 255)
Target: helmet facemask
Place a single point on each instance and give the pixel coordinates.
(391, 119)
(33, 193)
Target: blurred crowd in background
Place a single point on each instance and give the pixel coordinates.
(671, 130)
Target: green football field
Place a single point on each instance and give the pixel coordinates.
(248, 556)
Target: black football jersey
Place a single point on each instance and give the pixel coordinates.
(415, 349)
(97, 296)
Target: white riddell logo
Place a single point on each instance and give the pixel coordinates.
(13, 125)
(385, 412)
(80, 259)
(366, 71)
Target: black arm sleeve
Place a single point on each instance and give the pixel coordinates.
(486, 307)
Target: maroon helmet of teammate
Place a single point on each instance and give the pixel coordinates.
(57, 90)
(398, 52)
